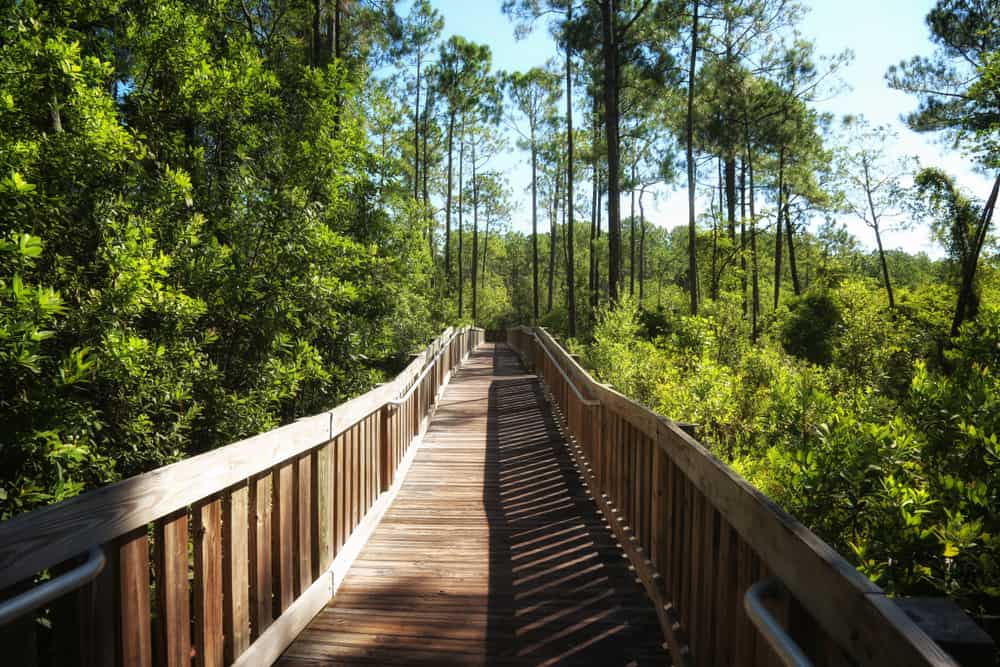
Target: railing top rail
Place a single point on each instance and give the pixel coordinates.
(427, 367)
(569, 381)
(854, 611)
(47, 536)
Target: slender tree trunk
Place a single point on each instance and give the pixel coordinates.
(534, 227)
(777, 233)
(447, 204)
(792, 266)
(461, 189)
(597, 257)
(642, 246)
(570, 237)
(416, 134)
(475, 236)
(595, 211)
(754, 266)
(593, 236)
(692, 231)
(743, 234)
(610, 50)
(631, 237)
(333, 27)
(426, 192)
(878, 237)
(730, 177)
(317, 44)
(966, 305)
(552, 241)
(885, 267)
(486, 242)
(713, 289)
(337, 26)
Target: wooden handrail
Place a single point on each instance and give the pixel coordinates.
(272, 521)
(699, 536)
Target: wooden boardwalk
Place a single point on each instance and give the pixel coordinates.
(492, 553)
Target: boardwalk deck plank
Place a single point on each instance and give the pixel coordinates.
(492, 552)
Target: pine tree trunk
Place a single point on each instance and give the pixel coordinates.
(317, 44)
(447, 204)
(730, 177)
(642, 247)
(611, 117)
(461, 189)
(713, 285)
(792, 266)
(692, 230)
(570, 237)
(426, 193)
(743, 235)
(777, 234)
(552, 241)
(416, 134)
(534, 227)
(486, 242)
(631, 237)
(754, 266)
(475, 238)
(885, 268)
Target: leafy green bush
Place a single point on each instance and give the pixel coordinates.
(810, 327)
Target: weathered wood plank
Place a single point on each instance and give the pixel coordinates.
(261, 569)
(283, 545)
(236, 572)
(303, 524)
(324, 508)
(174, 613)
(133, 599)
(208, 626)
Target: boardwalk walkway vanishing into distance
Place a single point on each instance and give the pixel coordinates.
(492, 552)
(493, 504)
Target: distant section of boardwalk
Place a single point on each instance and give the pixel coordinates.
(492, 553)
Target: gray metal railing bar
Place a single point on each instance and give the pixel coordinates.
(782, 643)
(52, 589)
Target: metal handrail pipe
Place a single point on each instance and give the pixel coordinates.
(784, 646)
(41, 595)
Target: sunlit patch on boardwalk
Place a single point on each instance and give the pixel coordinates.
(492, 553)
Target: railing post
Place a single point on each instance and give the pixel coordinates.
(385, 472)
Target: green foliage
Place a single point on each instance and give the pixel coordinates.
(843, 423)
(194, 246)
(809, 329)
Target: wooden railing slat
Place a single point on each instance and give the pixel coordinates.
(133, 596)
(236, 571)
(208, 625)
(173, 636)
(303, 524)
(261, 568)
(283, 521)
(324, 508)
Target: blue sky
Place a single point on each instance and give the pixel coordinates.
(880, 33)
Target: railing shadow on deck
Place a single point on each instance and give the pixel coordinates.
(560, 590)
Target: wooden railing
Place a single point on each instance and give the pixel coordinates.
(226, 556)
(699, 536)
